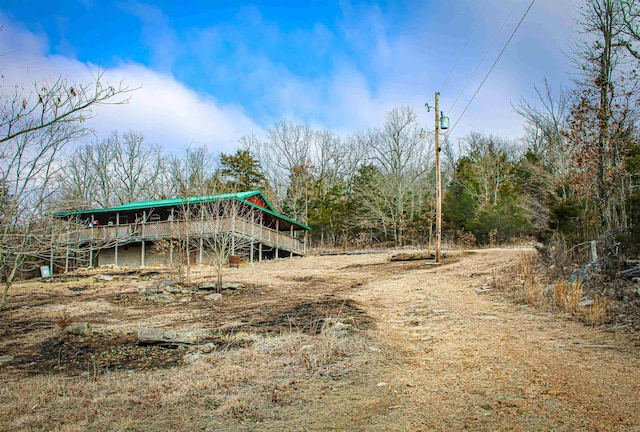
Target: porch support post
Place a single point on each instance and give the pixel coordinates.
(142, 245)
(171, 240)
(51, 256)
(201, 257)
(91, 244)
(277, 237)
(233, 229)
(66, 256)
(304, 243)
(116, 236)
(253, 223)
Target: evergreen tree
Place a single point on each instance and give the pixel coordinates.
(241, 172)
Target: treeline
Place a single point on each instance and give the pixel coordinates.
(574, 173)
(375, 186)
(378, 186)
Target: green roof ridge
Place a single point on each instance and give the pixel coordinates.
(241, 196)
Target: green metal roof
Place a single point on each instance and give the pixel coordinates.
(172, 202)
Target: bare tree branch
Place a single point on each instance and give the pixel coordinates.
(53, 103)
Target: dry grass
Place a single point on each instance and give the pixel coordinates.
(567, 295)
(330, 344)
(562, 295)
(264, 381)
(597, 313)
(526, 286)
(285, 360)
(533, 292)
(558, 256)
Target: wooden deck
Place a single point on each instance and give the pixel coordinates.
(149, 231)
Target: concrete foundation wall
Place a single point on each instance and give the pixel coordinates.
(130, 255)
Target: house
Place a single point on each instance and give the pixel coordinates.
(149, 232)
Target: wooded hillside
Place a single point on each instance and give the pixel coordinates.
(574, 174)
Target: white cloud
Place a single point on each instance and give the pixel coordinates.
(380, 68)
(164, 110)
(170, 114)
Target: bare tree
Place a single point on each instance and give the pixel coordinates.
(100, 157)
(79, 180)
(27, 167)
(289, 147)
(118, 169)
(402, 158)
(227, 228)
(331, 158)
(546, 126)
(284, 156)
(54, 104)
(34, 129)
(603, 116)
(491, 157)
(136, 167)
(193, 172)
(214, 230)
(548, 165)
(631, 26)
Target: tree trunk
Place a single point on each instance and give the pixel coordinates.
(219, 285)
(5, 293)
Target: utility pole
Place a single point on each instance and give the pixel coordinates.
(438, 180)
(441, 122)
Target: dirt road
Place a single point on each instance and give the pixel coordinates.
(475, 361)
(425, 348)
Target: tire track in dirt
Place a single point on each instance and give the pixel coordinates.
(463, 360)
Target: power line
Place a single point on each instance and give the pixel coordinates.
(492, 66)
(466, 42)
(484, 56)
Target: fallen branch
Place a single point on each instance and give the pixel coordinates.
(412, 256)
(630, 273)
(354, 252)
(153, 336)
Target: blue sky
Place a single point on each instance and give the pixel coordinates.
(211, 71)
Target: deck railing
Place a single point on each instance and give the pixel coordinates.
(179, 228)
